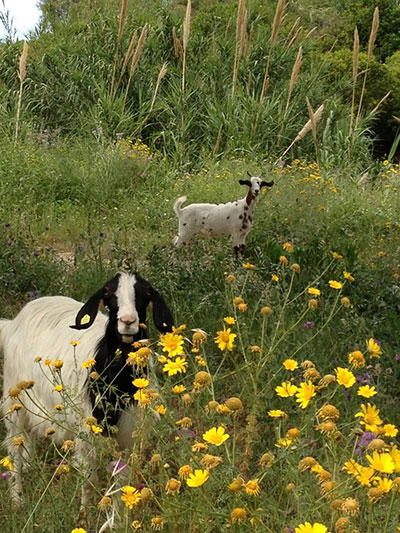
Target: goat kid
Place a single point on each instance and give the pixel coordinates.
(43, 328)
(232, 218)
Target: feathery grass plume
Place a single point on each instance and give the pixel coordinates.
(293, 79)
(313, 126)
(186, 33)
(305, 129)
(128, 56)
(371, 44)
(295, 74)
(292, 29)
(295, 37)
(21, 76)
(161, 75)
(122, 20)
(310, 32)
(275, 30)
(136, 56)
(240, 31)
(228, 28)
(249, 41)
(356, 51)
(178, 50)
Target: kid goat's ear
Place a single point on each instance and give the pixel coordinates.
(88, 312)
(245, 182)
(162, 316)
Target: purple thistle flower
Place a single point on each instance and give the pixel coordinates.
(309, 324)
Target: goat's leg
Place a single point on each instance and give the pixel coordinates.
(85, 459)
(183, 236)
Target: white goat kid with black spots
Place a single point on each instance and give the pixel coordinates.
(43, 328)
(232, 218)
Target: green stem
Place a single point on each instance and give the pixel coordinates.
(390, 510)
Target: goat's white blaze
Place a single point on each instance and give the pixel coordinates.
(128, 319)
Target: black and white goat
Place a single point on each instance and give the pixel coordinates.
(232, 218)
(43, 328)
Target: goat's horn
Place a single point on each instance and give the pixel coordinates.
(248, 173)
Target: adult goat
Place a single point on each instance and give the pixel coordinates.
(41, 350)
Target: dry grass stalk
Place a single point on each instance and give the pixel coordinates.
(21, 76)
(249, 41)
(217, 142)
(178, 50)
(186, 33)
(291, 31)
(295, 37)
(371, 44)
(295, 74)
(306, 128)
(128, 56)
(293, 79)
(313, 126)
(275, 30)
(161, 75)
(380, 103)
(310, 32)
(136, 56)
(240, 32)
(122, 20)
(228, 28)
(356, 51)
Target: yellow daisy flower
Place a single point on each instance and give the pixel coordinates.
(198, 478)
(290, 364)
(345, 377)
(216, 436)
(172, 343)
(179, 365)
(225, 339)
(305, 392)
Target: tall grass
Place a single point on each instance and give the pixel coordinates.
(21, 77)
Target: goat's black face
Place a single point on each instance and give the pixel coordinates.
(127, 297)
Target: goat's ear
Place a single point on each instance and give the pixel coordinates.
(245, 182)
(88, 312)
(267, 183)
(162, 316)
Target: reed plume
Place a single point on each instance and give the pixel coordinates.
(306, 128)
(313, 126)
(186, 33)
(21, 76)
(122, 20)
(161, 75)
(356, 50)
(240, 35)
(293, 80)
(371, 44)
(127, 58)
(136, 57)
(178, 50)
(275, 30)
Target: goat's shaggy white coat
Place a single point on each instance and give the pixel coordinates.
(43, 329)
(232, 218)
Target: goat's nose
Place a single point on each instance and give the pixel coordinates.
(128, 319)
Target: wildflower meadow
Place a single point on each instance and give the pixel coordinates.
(273, 404)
